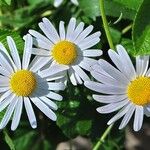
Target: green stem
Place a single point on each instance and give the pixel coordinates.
(102, 139)
(105, 23)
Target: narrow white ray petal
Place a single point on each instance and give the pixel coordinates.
(4, 72)
(121, 113)
(30, 112)
(37, 35)
(51, 29)
(27, 51)
(116, 60)
(49, 103)
(56, 86)
(79, 81)
(127, 117)
(17, 114)
(39, 63)
(57, 2)
(72, 76)
(5, 63)
(105, 89)
(6, 102)
(14, 52)
(8, 113)
(112, 71)
(47, 111)
(81, 73)
(92, 52)
(89, 44)
(54, 96)
(77, 31)
(138, 118)
(83, 34)
(6, 94)
(62, 30)
(109, 98)
(106, 80)
(71, 28)
(7, 54)
(112, 107)
(52, 70)
(147, 111)
(85, 65)
(40, 52)
(4, 89)
(124, 57)
(4, 81)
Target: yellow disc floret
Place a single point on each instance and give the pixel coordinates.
(139, 91)
(64, 52)
(23, 83)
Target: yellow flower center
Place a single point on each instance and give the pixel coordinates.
(139, 91)
(64, 52)
(23, 83)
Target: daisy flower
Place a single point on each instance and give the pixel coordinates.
(57, 3)
(24, 83)
(70, 48)
(125, 89)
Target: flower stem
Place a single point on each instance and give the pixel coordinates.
(102, 139)
(105, 23)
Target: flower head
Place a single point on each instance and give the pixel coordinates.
(24, 83)
(70, 48)
(57, 3)
(124, 89)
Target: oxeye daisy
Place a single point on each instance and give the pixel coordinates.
(70, 48)
(57, 3)
(125, 89)
(24, 83)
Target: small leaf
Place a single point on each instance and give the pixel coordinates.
(8, 2)
(141, 30)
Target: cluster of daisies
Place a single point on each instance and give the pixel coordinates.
(68, 54)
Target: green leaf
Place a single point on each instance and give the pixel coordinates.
(141, 30)
(9, 140)
(15, 35)
(8, 2)
(112, 8)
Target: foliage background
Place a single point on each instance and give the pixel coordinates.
(129, 22)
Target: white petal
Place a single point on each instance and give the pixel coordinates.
(78, 79)
(54, 96)
(49, 103)
(121, 113)
(71, 28)
(81, 73)
(39, 63)
(138, 118)
(106, 89)
(47, 111)
(84, 33)
(14, 51)
(6, 94)
(127, 117)
(56, 86)
(4, 89)
(17, 114)
(124, 57)
(4, 72)
(113, 72)
(30, 112)
(71, 73)
(92, 53)
(109, 98)
(62, 30)
(77, 31)
(40, 52)
(8, 114)
(27, 51)
(4, 81)
(112, 107)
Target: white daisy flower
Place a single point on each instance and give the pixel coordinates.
(23, 83)
(70, 48)
(125, 89)
(57, 3)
